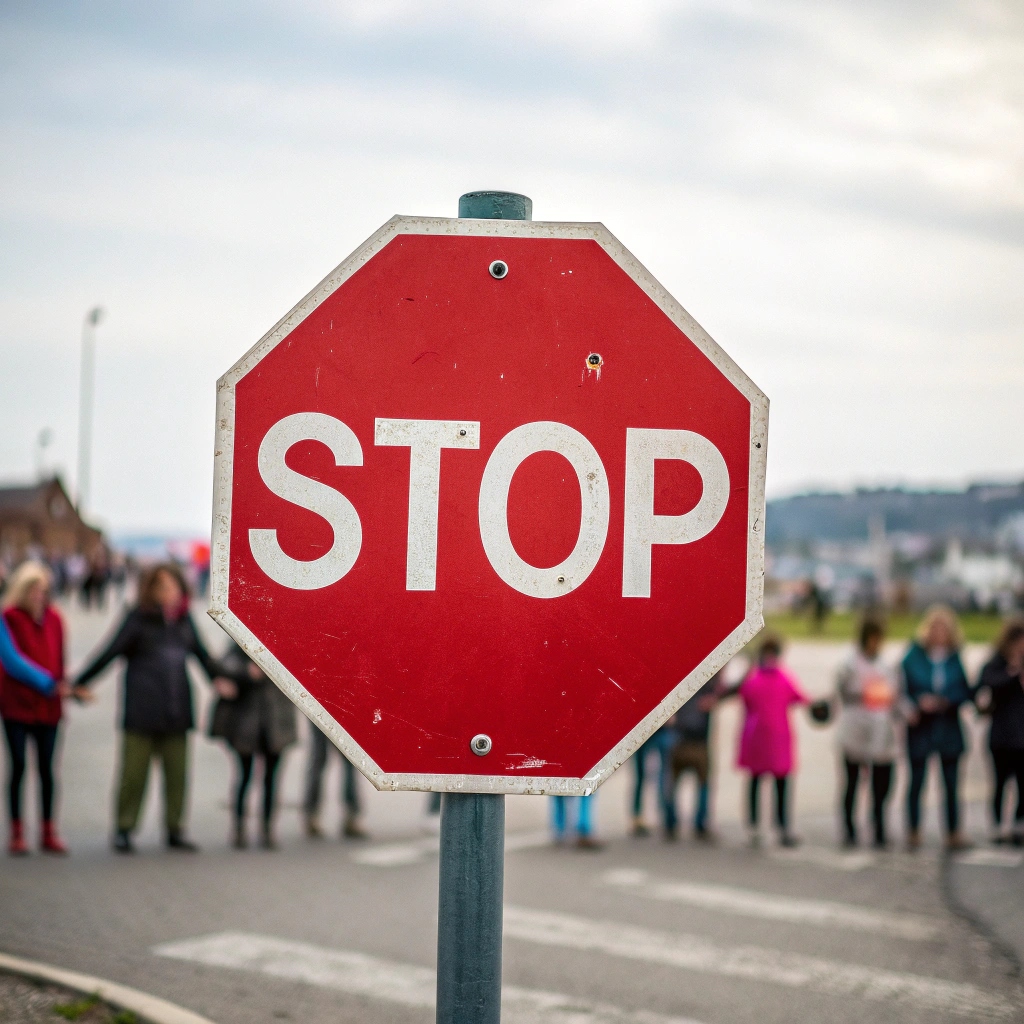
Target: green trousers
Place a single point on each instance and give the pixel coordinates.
(137, 750)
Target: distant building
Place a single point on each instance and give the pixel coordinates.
(899, 548)
(992, 579)
(40, 519)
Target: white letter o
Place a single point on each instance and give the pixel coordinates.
(511, 451)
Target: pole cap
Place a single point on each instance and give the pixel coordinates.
(496, 206)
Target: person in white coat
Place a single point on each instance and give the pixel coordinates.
(868, 734)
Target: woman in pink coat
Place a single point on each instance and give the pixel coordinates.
(766, 742)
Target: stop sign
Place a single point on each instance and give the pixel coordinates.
(489, 505)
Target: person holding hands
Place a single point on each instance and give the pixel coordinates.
(868, 697)
(934, 688)
(31, 691)
(1003, 680)
(767, 746)
(156, 639)
(256, 720)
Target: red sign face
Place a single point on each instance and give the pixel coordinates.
(489, 506)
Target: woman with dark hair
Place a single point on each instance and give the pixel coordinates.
(766, 740)
(255, 718)
(1003, 678)
(934, 688)
(867, 727)
(155, 639)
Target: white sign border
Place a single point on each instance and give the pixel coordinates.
(221, 534)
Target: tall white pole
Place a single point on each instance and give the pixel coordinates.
(85, 401)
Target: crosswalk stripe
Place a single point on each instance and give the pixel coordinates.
(982, 858)
(390, 855)
(363, 975)
(795, 970)
(770, 907)
(821, 857)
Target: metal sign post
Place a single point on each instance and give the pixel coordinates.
(472, 870)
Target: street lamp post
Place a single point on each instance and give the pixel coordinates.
(85, 397)
(43, 440)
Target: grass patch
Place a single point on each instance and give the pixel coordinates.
(92, 1008)
(79, 1008)
(841, 627)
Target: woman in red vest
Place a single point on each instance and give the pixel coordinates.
(27, 712)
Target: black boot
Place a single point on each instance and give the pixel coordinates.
(122, 841)
(177, 841)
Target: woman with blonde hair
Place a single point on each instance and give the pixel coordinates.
(934, 688)
(156, 639)
(28, 711)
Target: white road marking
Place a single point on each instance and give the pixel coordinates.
(526, 841)
(408, 984)
(771, 907)
(795, 970)
(982, 858)
(390, 855)
(822, 857)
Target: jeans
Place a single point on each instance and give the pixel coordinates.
(661, 743)
(918, 773)
(318, 747)
(137, 750)
(688, 756)
(560, 807)
(45, 739)
(881, 783)
(781, 805)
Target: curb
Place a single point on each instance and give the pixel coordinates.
(150, 1008)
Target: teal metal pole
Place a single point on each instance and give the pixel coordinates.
(471, 876)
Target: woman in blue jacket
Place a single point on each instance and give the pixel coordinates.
(934, 687)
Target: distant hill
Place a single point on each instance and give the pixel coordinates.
(972, 514)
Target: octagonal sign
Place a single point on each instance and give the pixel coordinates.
(489, 505)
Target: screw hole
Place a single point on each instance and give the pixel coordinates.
(498, 269)
(594, 359)
(561, 579)
(480, 744)
(462, 432)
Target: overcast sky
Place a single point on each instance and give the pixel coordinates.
(834, 190)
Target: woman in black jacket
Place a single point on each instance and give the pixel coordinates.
(155, 639)
(1003, 678)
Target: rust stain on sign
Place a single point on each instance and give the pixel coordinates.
(593, 364)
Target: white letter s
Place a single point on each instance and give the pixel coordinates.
(312, 495)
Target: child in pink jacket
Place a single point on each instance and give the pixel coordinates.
(766, 741)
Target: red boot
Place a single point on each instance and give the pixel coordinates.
(16, 844)
(50, 841)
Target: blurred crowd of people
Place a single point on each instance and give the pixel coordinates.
(92, 578)
(884, 712)
(155, 640)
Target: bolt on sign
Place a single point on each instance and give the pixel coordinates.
(489, 505)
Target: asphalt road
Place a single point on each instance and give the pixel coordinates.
(642, 931)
